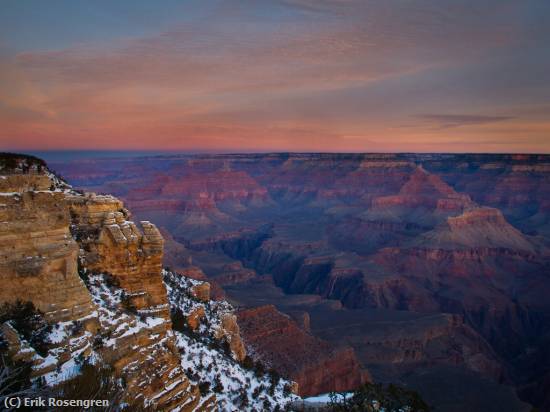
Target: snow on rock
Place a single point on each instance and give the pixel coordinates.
(202, 355)
(119, 324)
(211, 367)
(180, 297)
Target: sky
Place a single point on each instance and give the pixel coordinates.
(275, 75)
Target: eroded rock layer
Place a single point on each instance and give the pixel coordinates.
(40, 261)
(316, 366)
(112, 244)
(38, 256)
(438, 234)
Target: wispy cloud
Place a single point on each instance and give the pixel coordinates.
(457, 120)
(283, 74)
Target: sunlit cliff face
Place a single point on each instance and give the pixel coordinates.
(293, 75)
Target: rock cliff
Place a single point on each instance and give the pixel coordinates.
(98, 279)
(313, 364)
(441, 234)
(38, 256)
(112, 244)
(48, 237)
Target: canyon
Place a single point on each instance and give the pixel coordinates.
(96, 278)
(418, 269)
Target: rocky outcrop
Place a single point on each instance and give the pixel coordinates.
(46, 238)
(302, 319)
(38, 256)
(24, 183)
(20, 351)
(238, 387)
(195, 317)
(143, 351)
(192, 299)
(201, 291)
(112, 244)
(424, 190)
(215, 291)
(229, 329)
(313, 364)
(481, 227)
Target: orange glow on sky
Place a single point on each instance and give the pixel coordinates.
(277, 76)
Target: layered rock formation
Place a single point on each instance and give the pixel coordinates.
(478, 228)
(194, 306)
(40, 260)
(409, 342)
(98, 279)
(38, 256)
(211, 323)
(143, 351)
(313, 364)
(112, 244)
(465, 235)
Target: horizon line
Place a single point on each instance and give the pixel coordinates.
(222, 152)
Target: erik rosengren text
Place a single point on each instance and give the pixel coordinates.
(20, 402)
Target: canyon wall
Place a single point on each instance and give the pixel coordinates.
(313, 364)
(436, 234)
(38, 256)
(40, 262)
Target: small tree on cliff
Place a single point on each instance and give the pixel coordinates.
(127, 304)
(15, 381)
(243, 398)
(204, 388)
(29, 323)
(287, 390)
(248, 362)
(218, 385)
(274, 376)
(259, 369)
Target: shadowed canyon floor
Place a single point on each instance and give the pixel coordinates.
(430, 270)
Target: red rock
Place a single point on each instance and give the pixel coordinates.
(195, 317)
(406, 231)
(315, 365)
(424, 189)
(201, 291)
